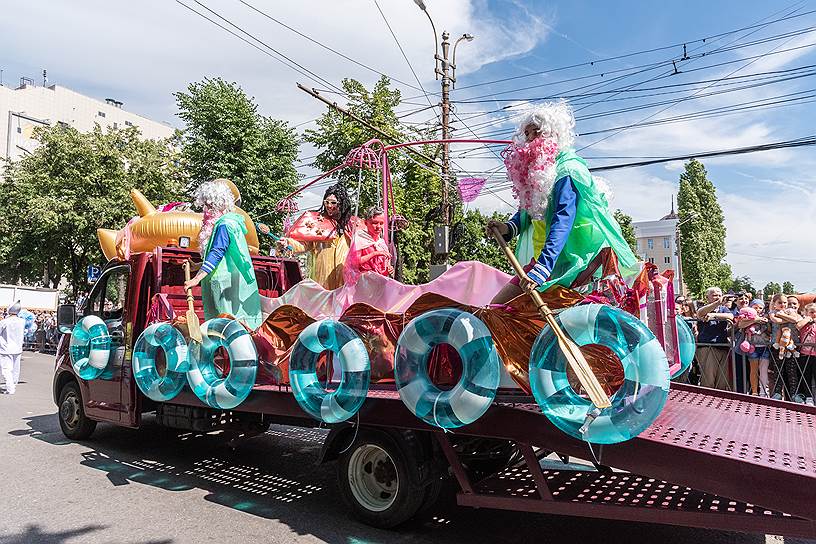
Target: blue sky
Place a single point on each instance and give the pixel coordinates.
(141, 52)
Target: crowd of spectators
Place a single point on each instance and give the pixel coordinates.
(41, 333)
(750, 345)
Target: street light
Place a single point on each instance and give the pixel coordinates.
(424, 8)
(466, 36)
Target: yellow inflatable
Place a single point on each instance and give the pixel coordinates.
(152, 229)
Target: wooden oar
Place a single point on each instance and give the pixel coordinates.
(572, 352)
(193, 326)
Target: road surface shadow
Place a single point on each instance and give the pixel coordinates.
(275, 476)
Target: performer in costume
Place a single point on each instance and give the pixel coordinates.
(368, 252)
(227, 278)
(563, 220)
(325, 236)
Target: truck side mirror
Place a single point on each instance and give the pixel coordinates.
(66, 317)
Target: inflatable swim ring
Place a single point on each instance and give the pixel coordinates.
(476, 389)
(167, 338)
(205, 379)
(646, 375)
(355, 367)
(686, 343)
(90, 347)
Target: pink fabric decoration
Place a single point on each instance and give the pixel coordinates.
(469, 188)
(471, 282)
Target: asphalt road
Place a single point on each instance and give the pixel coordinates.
(158, 486)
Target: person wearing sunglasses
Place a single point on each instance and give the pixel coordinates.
(324, 235)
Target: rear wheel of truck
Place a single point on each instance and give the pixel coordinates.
(72, 419)
(379, 480)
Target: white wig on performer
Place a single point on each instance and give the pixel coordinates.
(553, 120)
(215, 198)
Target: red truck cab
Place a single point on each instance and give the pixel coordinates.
(123, 297)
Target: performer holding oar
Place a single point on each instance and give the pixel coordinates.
(563, 221)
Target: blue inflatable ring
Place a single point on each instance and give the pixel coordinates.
(476, 389)
(204, 378)
(90, 347)
(686, 344)
(646, 375)
(355, 368)
(167, 338)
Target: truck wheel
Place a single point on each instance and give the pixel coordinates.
(378, 480)
(72, 419)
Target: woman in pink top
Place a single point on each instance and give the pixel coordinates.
(368, 252)
(807, 350)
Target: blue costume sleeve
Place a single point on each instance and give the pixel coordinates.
(219, 246)
(565, 199)
(513, 227)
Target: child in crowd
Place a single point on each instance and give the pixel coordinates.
(757, 333)
(793, 304)
(783, 325)
(807, 335)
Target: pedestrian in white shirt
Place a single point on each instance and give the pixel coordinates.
(12, 331)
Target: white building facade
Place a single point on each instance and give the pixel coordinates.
(29, 106)
(657, 244)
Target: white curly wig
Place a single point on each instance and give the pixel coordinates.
(215, 196)
(553, 119)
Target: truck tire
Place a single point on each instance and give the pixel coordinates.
(378, 480)
(71, 413)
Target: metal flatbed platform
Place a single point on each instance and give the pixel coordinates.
(712, 459)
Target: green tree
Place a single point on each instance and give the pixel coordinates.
(625, 222)
(771, 288)
(742, 283)
(471, 244)
(225, 136)
(787, 288)
(415, 182)
(702, 241)
(72, 184)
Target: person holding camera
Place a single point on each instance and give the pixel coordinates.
(713, 336)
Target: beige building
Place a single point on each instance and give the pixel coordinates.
(29, 106)
(657, 244)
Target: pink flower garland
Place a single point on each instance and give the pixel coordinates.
(523, 162)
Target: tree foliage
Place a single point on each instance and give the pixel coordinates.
(471, 244)
(788, 289)
(702, 241)
(625, 222)
(771, 288)
(72, 184)
(741, 284)
(225, 137)
(416, 183)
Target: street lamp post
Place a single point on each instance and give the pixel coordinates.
(448, 74)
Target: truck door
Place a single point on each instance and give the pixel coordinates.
(107, 300)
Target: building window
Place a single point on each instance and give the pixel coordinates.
(128, 124)
(667, 260)
(666, 242)
(116, 125)
(651, 260)
(19, 130)
(101, 113)
(650, 243)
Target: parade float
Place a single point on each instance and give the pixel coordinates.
(426, 380)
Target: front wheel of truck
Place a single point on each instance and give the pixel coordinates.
(72, 419)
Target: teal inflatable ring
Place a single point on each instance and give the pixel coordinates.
(646, 375)
(471, 397)
(686, 344)
(214, 390)
(90, 347)
(155, 386)
(355, 367)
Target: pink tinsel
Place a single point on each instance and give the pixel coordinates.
(206, 229)
(469, 188)
(526, 165)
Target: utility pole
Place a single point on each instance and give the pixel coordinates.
(445, 129)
